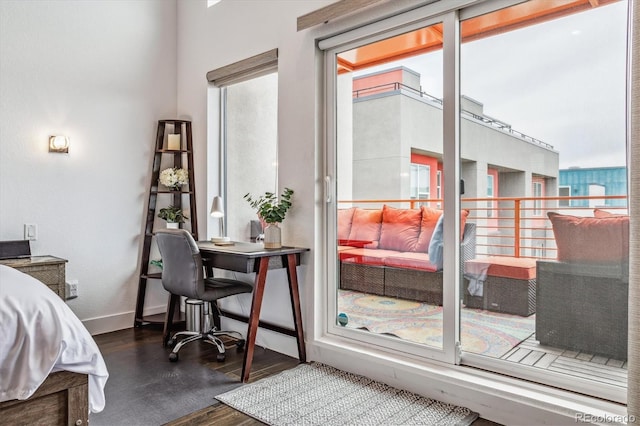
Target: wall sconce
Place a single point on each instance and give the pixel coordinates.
(59, 143)
(217, 211)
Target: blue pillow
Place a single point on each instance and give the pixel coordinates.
(436, 243)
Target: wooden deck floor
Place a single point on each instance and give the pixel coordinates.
(572, 363)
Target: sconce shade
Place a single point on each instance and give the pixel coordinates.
(59, 143)
(217, 208)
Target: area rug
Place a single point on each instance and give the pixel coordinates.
(482, 332)
(145, 388)
(317, 394)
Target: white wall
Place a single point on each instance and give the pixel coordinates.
(102, 73)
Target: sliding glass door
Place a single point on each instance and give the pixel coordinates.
(543, 107)
(449, 135)
(388, 155)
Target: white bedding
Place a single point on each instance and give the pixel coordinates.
(40, 334)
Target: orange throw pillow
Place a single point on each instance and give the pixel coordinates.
(365, 227)
(429, 220)
(345, 217)
(400, 228)
(603, 213)
(591, 239)
(428, 225)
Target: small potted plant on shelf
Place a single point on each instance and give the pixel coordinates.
(272, 211)
(173, 215)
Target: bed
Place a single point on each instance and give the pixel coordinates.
(51, 370)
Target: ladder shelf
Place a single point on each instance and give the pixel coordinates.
(185, 197)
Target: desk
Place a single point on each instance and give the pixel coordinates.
(48, 269)
(248, 258)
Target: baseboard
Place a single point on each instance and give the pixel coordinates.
(115, 322)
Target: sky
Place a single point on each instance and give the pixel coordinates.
(561, 82)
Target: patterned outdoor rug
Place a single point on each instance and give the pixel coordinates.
(482, 332)
(316, 394)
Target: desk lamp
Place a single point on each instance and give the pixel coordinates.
(217, 211)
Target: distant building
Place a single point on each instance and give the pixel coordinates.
(394, 150)
(398, 128)
(592, 181)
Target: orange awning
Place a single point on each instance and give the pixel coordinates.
(428, 39)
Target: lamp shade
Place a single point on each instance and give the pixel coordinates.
(217, 208)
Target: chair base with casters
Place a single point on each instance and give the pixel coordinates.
(206, 332)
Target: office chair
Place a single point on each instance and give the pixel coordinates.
(183, 275)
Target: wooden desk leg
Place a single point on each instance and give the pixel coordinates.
(254, 317)
(292, 274)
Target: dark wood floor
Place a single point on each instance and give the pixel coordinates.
(265, 363)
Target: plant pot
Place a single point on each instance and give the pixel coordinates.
(272, 236)
(173, 225)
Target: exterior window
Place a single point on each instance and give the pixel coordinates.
(490, 194)
(564, 191)
(420, 186)
(439, 188)
(537, 203)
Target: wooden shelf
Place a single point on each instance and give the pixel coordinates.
(165, 158)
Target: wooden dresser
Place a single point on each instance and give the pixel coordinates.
(48, 269)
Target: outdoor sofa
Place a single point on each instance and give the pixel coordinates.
(582, 297)
(397, 252)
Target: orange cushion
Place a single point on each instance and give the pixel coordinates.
(603, 213)
(419, 261)
(400, 228)
(428, 224)
(429, 220)
(591, 239)
(518, 268)
(345, 217)
(365, 226)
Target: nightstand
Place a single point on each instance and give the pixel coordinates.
(48, 269)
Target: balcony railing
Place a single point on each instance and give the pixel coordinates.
(512, 226)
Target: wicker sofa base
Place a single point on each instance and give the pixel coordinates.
(505, 295)
(411, 284)
(583, 307)
(408, 284)
(362, 278)
(511, 296)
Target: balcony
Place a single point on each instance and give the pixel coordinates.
(519, 228)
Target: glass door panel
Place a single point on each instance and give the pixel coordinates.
(543, 109)
(389, 156)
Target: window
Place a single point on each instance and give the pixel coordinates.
(243, 101)
(439, 188)
(564, 191)
(420, 183)
(537, 202)
(490, 194)
(250, 145)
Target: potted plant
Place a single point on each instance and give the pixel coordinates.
(272, 211)
(173, 215)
